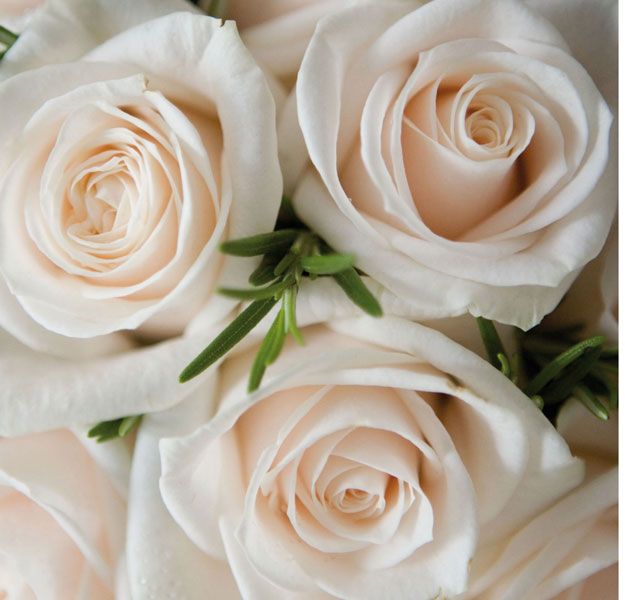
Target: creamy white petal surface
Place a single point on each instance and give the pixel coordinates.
(41, 392)
(278, 33)
(158, 553)
(62, 516)
(568, 551)
(342, 476)
(592, 300)
(460, 143)
(123, 170)
(15, 15)
(17, 7)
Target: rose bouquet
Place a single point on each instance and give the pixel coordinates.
(308, 299)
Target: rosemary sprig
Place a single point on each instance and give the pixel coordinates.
(289, 254)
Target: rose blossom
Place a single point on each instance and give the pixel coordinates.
(457, 146)
(572, 548)
(123, 170)
(62, 515)
(354, 471)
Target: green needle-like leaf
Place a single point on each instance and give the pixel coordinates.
(538, 401)
(327, 264)
(504, 365)
(285, 263)
(551, 370)
(602, 381)
(275, 242)
(228, 338)
(591, 402)
(290, 322)
(268, 352)
(561, 388)
(115, 428)
(494, 347)
(255, 293)
(515, 361)
(263, 274)
(106, 430)
(7, 37)
(357, 291)
(128, 424)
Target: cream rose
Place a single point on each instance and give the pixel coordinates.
(572, 548)
(457, 146)
(62, 516)
(122, 171)
(354, 472)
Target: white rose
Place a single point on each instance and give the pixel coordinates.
(457, 146)
(572, 548)
(62, 516)
(354, 472)
(122, 170)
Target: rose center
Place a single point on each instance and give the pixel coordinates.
(483, 126)
(354, 500)
(101, 200)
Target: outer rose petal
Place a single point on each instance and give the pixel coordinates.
(62, 393)
(62, 529)
(278, 40)
(600, 19)
(161, 560)
(573, 540)
(16, 14)
(16, 7)
(592, 300)
(64, 30)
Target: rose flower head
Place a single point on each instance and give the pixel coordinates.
(354, 471)
(458, 150)
(124, 165)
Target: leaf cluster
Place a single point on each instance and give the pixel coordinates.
(289, 255)
(559, 366)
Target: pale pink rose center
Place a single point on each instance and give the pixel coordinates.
(465, 142)
(343, 488)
